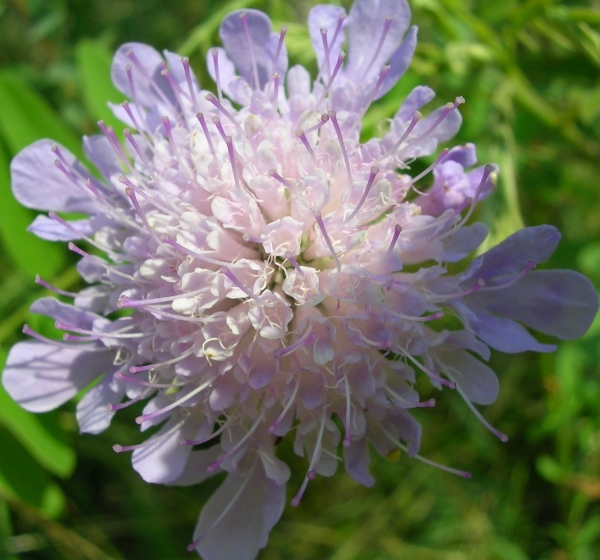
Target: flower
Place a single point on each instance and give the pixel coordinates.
(266, 272)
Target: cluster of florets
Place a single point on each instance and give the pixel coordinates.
(254, 279)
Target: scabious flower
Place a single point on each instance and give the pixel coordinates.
(265, 272)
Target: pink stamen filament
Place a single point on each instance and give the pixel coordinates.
(184, 441)
(374, 171)
(443, 297)
(86, 347)
(42, 282)
(110, 135)
(167, 124)
(416, 118)
(126, 404)
(279, 178)
(279, 47)
(121, 375)
(386, 27)
(285, 410)
(437, 161)
(214, 466)
(340, 138)
(177, 90)
(347, 441)
(295, 264)
(227, 272)
(449, 384)
(300, 134)
(100, 262)
(185, 61)
(144, 417)
(153, 85)
(124, 301)
(276, 77)
(397, 231)
(116, 334)
(311, 469)
(192, 253)
(382, 75)
(130, 114)
(70, 227)
(463, 474)
(336, 69)
(321, 225)
(244, 18)
(139, 152)
(158, 365)
(215, 55)
(324, 119)
(129, 191)
(121, 448)
(212, 99)
(301, 343)
(528, 267)
(200, 118)
(410, 404)
(326, 52)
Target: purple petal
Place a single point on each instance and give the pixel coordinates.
(64, 313)
(175, 62)
(230, 523)
(512, 255)
(367, 21)
(356, 460)
(195, 471)
(409, 430)
(41, 377)
(326, 17)
(465, 240)
(478, 382)
(150, 88)
(47, 228)
(298, 81)
(98, 150)
(399, 62)
(562, 303)
(465, 155)
(38, 183)
(93, 415)
(234, 87)
(163, 459)
(506, 335)
(248, 47)
(417, 98)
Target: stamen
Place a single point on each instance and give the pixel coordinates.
(274, 425)
(126, 404)
(386, 28)
(215, 55)
(321, 225)
(276, 77)
(397, 231)
(167, 124)
(124, 301)
(153, 85)
(300, 343)
(300, 134)
(529, 266)
(449, 384)
(374, 171)
(279, 47)
(443, 297)
(131, 194)
(177, 90)
(347, 441)
(382, 75)
(185, 61)
(311, 469)
(212, 99)
(100, 262)
(416, 118)
(437, 161)
(109, 133)
(121, 448)
(41, 282)
(144, 417)
(336, 69)
(410, 404)
(200, 118)
(463, 474)
(139, 152)
(198, 256)
(294, 262)
(214, 466)
(326, 52)
(129, 71)
(338, 132)
(158, 365)
(114, 334)
(121, 375)
(324, 119)
(227, 272)
(70, 227)
(86, 347)
(244, 18)
(213, 435)
(279, 178)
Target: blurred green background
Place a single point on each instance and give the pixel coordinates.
(529, 71)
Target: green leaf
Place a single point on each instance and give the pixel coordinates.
(94, 61)
(29, 429)
(24, 248)
(26, 117)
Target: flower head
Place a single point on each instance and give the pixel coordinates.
(254, 274)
